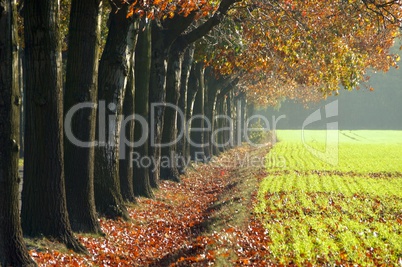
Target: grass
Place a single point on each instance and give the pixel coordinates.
(351, 151)
(349, 213)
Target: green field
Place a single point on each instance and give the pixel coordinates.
(340, 207)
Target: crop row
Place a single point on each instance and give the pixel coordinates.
(332, 219)
(336, 202)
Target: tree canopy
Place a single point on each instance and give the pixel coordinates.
(303, 49)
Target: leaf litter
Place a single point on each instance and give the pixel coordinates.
(192, 223)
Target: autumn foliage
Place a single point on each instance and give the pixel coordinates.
(167, 9)
(304, 49)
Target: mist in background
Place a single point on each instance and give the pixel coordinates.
(358, 109)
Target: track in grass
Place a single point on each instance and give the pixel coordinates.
(349, 213)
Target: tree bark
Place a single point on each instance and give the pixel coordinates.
(44, 209)
(81, 87)
(228, 124)
(193, 86)
(22, 91)
(142, 185)
(232, 115)
(197, 124)
(13, 251)
(182, 105)
(212, 86)
(239, 126)
(169, 167)
(236, 117)
(127, 138)
(220, 122)
(243, 117)
(207, 121)
(157, 96)
(113, 74)
(214, 140)
(127, 135)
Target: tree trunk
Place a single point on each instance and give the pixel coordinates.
(157, 96)
(207, 121)
(182, 105)
(227, 123)
(127, 135)
(127, 128)
(232, 116)
(169, 168)
(197, 120)
(44, 209)
(162, 38)
(81, 87)
(210, 109)
(13, 251)
(214, 140)
(239, 126)
(142, 185)
(113, 74)
(193, 86)
(220, 122)
(237, 117)
(243, 117)
(22, 91)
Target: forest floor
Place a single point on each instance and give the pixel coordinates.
(207, 219)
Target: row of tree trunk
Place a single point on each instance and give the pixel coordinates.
(77, 155)
(13, 251)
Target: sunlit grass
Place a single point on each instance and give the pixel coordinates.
(350, 155)
(350, 213)
(328, 219)
(345, 136)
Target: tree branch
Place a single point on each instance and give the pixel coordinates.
(204, 28)
(231, 84)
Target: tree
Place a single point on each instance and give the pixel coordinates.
(197, 119)
(127, 131)
(214, 85)
(169, 170)
(161, 40)
(182, 105)
(115, 62)
(284, 48)
(142, 185)
(44, 210)
(172, 18)
(193, 87)
(170, 39)
(81, 88)
(13, 251)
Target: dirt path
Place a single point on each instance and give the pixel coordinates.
(205, 220)
(224, 235)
